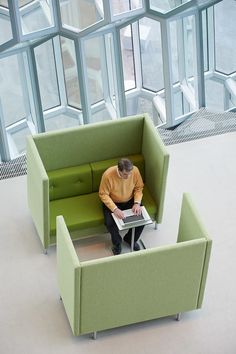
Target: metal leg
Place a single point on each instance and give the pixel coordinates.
(156, 225)
(45, 251)
(94, 335)
(142, 243)
(132, 239)
(177, 316)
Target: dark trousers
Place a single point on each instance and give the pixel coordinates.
(112, 227)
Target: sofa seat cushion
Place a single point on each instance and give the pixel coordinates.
(98, 168)
(70, 181)
(81, 212)
(149, 202)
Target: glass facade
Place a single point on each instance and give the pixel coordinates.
(70, 62)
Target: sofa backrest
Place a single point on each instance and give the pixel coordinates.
(84, 179)
(92, 142)
(143, 285)
(138, 286)
(69, 182)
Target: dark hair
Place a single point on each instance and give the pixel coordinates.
(125, 165)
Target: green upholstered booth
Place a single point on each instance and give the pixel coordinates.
(65, 169)
(138, 286)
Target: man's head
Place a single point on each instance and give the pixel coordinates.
(125, 167)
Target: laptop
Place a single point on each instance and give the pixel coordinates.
(132, 220)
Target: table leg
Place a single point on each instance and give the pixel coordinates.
(132, 239)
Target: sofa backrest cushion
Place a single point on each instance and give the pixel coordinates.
(91, 142)
(70, 182)
(99, 167)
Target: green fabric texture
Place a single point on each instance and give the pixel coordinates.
(98, 168)
(93, 142)
(81, 212)
(38, 192)
(63, 156)
(68, 275)
(156, 165)
(70, 181)
(191, 226)
(140, 286)
(149, 203)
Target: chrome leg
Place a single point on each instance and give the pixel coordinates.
(94, 335)
(45, 251)
(132, 239)
(177, 316)
(156, 225)
(142, 243)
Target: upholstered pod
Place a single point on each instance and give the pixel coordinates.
(138, 286)
(65, 168)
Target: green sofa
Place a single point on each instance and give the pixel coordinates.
(136, 286)
(65, 169)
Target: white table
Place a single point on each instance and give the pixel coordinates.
(122, 226)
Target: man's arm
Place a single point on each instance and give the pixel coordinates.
(104, 193)
(138, 188)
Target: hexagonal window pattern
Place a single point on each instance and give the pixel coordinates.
(165, 6)
(77, 15)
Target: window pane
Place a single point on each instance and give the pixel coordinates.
(60, 121)
(11, 90)
(151, 54)
(93, 52)
(46, 70)
(35, 15)
(183, 55)
(5, 24)
(70, 72)
(125, 6)
(165, 5)
(225, 36)
(127, 57)
(81, 14)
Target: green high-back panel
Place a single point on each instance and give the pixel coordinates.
(90, 143)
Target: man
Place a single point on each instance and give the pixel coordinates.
(121, 188)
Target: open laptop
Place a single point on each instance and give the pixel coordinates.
(132, 220)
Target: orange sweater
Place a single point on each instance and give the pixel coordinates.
(115, 189)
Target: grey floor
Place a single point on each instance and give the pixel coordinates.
(32, 318)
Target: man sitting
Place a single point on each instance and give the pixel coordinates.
(121, 188)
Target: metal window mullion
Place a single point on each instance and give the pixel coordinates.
(119, 74)
(211, 39)
(167, 70)
(137, 54)
(104, 69)
(36, 91)
(60, 70)
(4, 148)
(199, 67)
(83, 80)
(29, 87)
(14, 18)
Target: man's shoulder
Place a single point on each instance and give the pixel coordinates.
(110, 171)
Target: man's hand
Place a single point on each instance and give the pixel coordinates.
(136, 209)
(119, 213)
